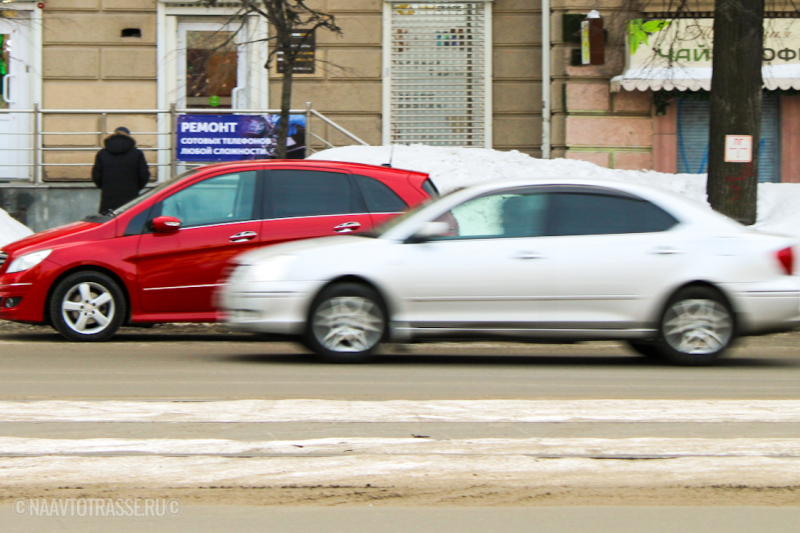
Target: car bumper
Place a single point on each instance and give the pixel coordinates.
(766, 308)
(27, 293)
(279, 308)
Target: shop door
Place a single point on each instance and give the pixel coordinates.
(212, 66)
(694, 118)
(16, 72)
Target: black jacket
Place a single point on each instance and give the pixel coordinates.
(120, 171)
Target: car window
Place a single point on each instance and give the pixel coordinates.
(429, 188)
(379, 197)
(152, 191)
(601, 214)
(217, 200)
(302, 193)
(503, 215)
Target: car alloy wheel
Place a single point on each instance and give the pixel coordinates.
(347, 322)
(697, 326)
(87, 306)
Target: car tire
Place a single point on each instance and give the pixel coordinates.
(696, 327)
(346, 323)
(647, 349)
(87, 307)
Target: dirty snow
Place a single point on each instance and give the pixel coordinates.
(404, 411)
(11, 230)
(451, 168)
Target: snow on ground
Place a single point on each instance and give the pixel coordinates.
(405, 411)
(451, 168)
(11, 230)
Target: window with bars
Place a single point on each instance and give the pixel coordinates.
(439, 74)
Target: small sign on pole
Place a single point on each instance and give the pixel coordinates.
(592, 39)
(738, 148)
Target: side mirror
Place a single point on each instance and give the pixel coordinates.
(166, 224)
(430, 230)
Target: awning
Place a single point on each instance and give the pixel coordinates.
(676, 55)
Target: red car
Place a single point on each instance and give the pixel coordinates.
(160, 257)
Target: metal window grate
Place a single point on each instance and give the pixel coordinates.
(438, 74)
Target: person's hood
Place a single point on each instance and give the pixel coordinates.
(119, 143)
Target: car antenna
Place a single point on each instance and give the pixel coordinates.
(391, 157)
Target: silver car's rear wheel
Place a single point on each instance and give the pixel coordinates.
(87, 306)
(346, 323)
(697, 326)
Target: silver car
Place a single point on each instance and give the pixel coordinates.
(547, 259)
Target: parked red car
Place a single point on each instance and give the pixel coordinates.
(160, 257)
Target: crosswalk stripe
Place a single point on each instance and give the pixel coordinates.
(399, 411)
(535, 447)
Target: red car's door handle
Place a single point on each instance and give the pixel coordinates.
(244, 236)
(347, 227)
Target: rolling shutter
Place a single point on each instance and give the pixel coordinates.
(693, 126)
(439, 74)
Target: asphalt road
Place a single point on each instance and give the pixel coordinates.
(746, 487)
(200, 363)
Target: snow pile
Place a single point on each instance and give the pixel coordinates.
(11, 230)
(451, 168)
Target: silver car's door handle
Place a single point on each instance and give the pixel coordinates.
(666, 250)
(244, 236)
(529, 255)
(347, 227)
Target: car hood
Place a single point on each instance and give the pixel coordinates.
(77, 231)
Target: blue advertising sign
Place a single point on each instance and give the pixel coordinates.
(207, 138)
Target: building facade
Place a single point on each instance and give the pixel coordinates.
(447, 73)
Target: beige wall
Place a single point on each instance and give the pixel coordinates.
(87, 64)
(347, 84)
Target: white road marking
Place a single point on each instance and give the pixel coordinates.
(398, 411)
(647, 447)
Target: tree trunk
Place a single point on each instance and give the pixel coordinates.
(736, 87)
(286, 105)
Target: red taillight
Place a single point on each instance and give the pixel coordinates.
(786, 259)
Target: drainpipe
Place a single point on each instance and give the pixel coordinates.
(546, 79)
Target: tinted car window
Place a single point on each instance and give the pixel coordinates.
(379, 197)
(600, 214)
(428, 187)
(217, 200)
(302, 193)
(502, 215)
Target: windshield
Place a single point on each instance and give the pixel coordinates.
(150, 192)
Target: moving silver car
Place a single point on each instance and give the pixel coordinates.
(551, 260)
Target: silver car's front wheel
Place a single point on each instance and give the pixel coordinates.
(697, 326)
(346, 323)
(87, 306)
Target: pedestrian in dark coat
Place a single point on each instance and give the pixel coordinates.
(120, 170)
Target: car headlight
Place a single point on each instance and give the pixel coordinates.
(27, 261)
(272, 269)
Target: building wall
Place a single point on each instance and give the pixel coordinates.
(88, 64)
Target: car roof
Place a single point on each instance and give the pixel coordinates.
(311, 163)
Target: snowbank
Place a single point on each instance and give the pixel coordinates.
(11, 230)
(451, 168)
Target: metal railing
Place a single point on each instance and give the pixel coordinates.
(166, 136)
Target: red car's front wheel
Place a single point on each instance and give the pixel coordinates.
(87, 306)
